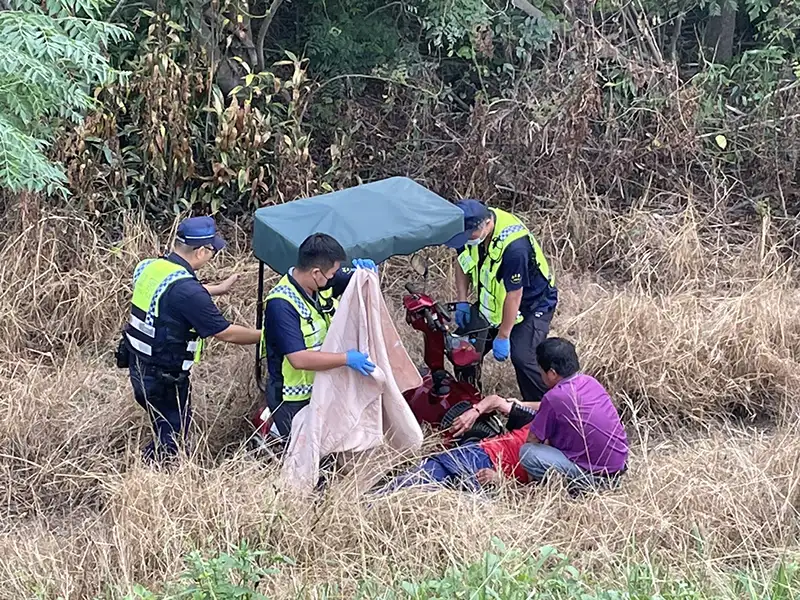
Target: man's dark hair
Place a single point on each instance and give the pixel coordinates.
(319, 251)
(559, 355)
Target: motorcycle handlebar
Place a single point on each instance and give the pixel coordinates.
(442, 310)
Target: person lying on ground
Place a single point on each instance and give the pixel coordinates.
(297, 316)
(575, 431)
(471, 466)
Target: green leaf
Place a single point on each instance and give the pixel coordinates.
(243, 180)
(61, 50)
(722, 141)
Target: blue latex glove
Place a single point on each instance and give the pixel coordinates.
(365, 263)
(501, 349)
(358, 361)
(462, 314)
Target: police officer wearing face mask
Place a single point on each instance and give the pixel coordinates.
(297, 316)
(171, 314)
(501, 261)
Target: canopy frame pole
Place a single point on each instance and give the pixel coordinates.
(259, 324)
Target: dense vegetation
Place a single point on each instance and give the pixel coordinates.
(229, 105)
(541, 574)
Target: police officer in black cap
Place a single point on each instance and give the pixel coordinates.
(171, 314)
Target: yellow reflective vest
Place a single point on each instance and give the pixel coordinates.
(490, 291)
(297, 384)
(147, 333)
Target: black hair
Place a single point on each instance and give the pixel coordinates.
(319, 251)
(559, 355)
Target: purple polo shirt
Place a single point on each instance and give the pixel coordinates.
(578, 418)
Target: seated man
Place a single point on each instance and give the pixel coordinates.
(575, 430)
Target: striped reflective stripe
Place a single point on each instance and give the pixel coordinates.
(141, 267)
(299, 304)
(145, 349)
(509, 230)
(187, 365)
(152, 312)
(292, 391)
(142, 327)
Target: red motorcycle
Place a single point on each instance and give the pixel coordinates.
(445, 395)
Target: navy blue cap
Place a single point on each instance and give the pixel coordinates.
(475, 213)
(200, 231)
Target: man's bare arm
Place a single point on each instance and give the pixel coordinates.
(236, 334)
(504, 405)
(311, 360)
(487, 405)
(462, 283)
(218, 289)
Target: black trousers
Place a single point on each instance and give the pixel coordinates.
(282, 412)
(524, 338)
(167, 399)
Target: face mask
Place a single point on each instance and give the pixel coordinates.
(477, 242)
(327, 285)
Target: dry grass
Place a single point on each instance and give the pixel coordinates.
(691, 323)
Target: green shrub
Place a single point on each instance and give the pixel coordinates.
(52, 56)
(235, 576)
(501, 574)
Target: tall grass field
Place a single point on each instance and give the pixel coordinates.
(693, 327)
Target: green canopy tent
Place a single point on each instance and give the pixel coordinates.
(377, 220)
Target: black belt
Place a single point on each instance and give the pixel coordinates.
(173, 377)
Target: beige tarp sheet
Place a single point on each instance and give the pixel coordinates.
(350, 413)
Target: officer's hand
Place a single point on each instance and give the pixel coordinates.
(462, 314)
(358, 361)
(365, 263)
(501, 347)
(225, 286)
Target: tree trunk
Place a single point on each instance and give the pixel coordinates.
(718, 39)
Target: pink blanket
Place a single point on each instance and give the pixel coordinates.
(349, 412)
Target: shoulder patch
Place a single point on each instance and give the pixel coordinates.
(516, 278)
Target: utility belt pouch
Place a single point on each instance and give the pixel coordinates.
(173, 378)
(123, 354)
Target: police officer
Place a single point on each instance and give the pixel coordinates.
(171, 314)
(297, 316)
(503, 263)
